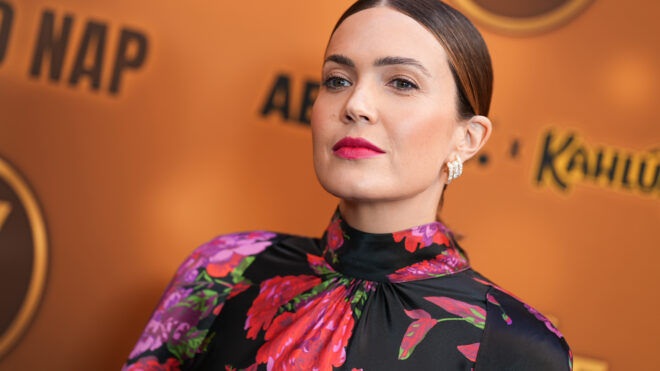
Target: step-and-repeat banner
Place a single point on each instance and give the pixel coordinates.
(131, 132)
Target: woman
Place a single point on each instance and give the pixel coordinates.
(406, 91)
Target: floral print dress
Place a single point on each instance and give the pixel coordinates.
(349, 300)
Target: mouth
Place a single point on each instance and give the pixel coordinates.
(355, 148)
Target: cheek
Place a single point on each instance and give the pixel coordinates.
(322, 119)
(318, 130)
(422, 143)
(325, 121)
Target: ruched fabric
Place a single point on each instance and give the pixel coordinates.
(350, 300)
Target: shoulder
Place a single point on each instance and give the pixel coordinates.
(179, 327)
(227, 255)
(224, 252)
(519, 337)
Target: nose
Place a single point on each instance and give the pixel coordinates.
(360, 105)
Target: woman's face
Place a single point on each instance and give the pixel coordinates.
(386, 79)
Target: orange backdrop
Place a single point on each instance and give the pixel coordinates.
(153, 139)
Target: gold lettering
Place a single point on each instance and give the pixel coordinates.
(566, 161)
(5, 209)
(551, 158)
(605, 170)
(588, 364)
(649, 173)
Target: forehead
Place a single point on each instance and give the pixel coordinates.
(382, 31)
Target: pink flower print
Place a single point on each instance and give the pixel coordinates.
(505, 317)
(335, 236)
(545, 320)
(422, 236)
(224, 249)
(469, 351)
(471, 313)
(416, 331)
(449, 261)
(274, 293)
(497, 287)
(369, 285)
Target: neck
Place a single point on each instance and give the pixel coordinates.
(386, 216)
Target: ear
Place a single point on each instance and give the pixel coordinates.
(472, 135)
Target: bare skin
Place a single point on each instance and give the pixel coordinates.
(387, 80)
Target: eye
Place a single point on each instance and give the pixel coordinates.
(336, 82)
(403, 84)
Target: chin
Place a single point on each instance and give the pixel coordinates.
(353, 189)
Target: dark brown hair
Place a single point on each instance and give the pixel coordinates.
(467, 53)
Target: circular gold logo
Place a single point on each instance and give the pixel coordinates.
(522, 16)
(23, 256)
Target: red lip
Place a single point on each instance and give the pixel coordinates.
(355, 148)
(356, 143)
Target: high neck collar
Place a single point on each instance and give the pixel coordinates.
(426, 251)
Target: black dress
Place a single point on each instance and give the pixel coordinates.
(350, 300)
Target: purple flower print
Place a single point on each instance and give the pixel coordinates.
(449, 261)
(168, 322)
(422, 236)
(220, 250)
(246, 243)
(185, 301)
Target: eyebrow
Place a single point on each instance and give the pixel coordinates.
(385, 61)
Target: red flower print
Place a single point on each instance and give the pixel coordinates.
(469, 351)
(237, 289)
(274, 293)
(422, 236)
(335, 236)
(318, 264)
(312, 338)
(471, 313)
(416, 331)
(224, 268)
(222, 250)
(151, 363)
